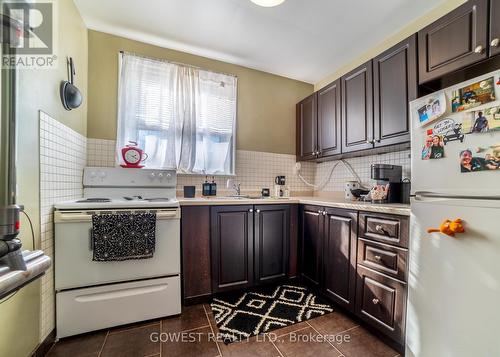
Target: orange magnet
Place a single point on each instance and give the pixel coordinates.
(449, 227)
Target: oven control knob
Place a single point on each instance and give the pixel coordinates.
(102, 174)
(168, 175)
(92, 174)
(160, 175)
(152, 175)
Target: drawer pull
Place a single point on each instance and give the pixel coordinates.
(375, 301)
(379, 228)
(479, 49)
(378, 257)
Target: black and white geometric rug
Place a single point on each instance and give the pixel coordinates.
(240, 315)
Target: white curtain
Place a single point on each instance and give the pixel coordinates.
(183, 117)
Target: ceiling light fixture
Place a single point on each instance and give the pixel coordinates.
(268, 3)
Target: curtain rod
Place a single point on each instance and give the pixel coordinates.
(176, 63)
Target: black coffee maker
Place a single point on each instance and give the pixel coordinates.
(392, 175)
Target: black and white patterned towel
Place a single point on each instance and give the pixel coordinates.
(123, 236)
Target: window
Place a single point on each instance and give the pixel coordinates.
(183, 117)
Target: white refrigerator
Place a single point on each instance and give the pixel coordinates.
(454, 282)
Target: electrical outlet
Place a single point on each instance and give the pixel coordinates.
(296, 168)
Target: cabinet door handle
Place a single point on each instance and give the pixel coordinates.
(324, 213)
(320, 212)
(250, 210)
(375, 301)
(258, 211)
(378, 257)
(495, 42)
(479, 49)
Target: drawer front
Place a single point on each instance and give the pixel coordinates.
(384, 258)
(385, 228)
(83, 310)
(381, 302)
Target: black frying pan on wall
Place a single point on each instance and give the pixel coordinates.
(70, 95)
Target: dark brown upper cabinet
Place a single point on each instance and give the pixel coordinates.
(307, 128)
(494, 27)
(394, 86)
(232, 247)
(357, 109)
(339, 256)
(272, 235)
(329, 123)
(311, 244)
(456, 40)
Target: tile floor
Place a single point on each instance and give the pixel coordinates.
(197, 324)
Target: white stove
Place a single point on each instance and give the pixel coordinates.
(92, 295)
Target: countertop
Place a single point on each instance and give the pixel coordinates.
(335, 202)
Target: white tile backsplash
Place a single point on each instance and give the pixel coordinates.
(254, 170)
(361, 166)
(62, 159)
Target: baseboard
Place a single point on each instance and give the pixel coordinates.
(44, 347)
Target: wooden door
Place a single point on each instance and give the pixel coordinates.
(232, 247)
(311, 243)
(394, 86)
(455, 41)
(357, 109)
(195, 238)
(381, 301)
(307, 128)
(329, 123)
(272, 235)
(339, 256)
(494, 27)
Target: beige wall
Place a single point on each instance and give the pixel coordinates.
(39, 90)
(412, 28)
(266, 102)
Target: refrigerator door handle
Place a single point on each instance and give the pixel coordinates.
(427, 194)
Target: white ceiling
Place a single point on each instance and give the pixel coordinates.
(300, 39)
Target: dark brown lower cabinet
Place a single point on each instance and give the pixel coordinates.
(232, 247)
(250, 245)
(272, 232)
(381, 302)
(195, 238)
(339, 256)
(311, 244)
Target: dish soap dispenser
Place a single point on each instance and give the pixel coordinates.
(213, 187)
(206, 187)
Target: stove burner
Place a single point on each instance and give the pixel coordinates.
(94, 199)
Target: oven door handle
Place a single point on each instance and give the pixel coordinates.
(91, 240)
(63, 217)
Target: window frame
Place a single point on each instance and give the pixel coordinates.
(145, 128)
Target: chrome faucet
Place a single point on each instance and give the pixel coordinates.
(233, 185)
(237, 188)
